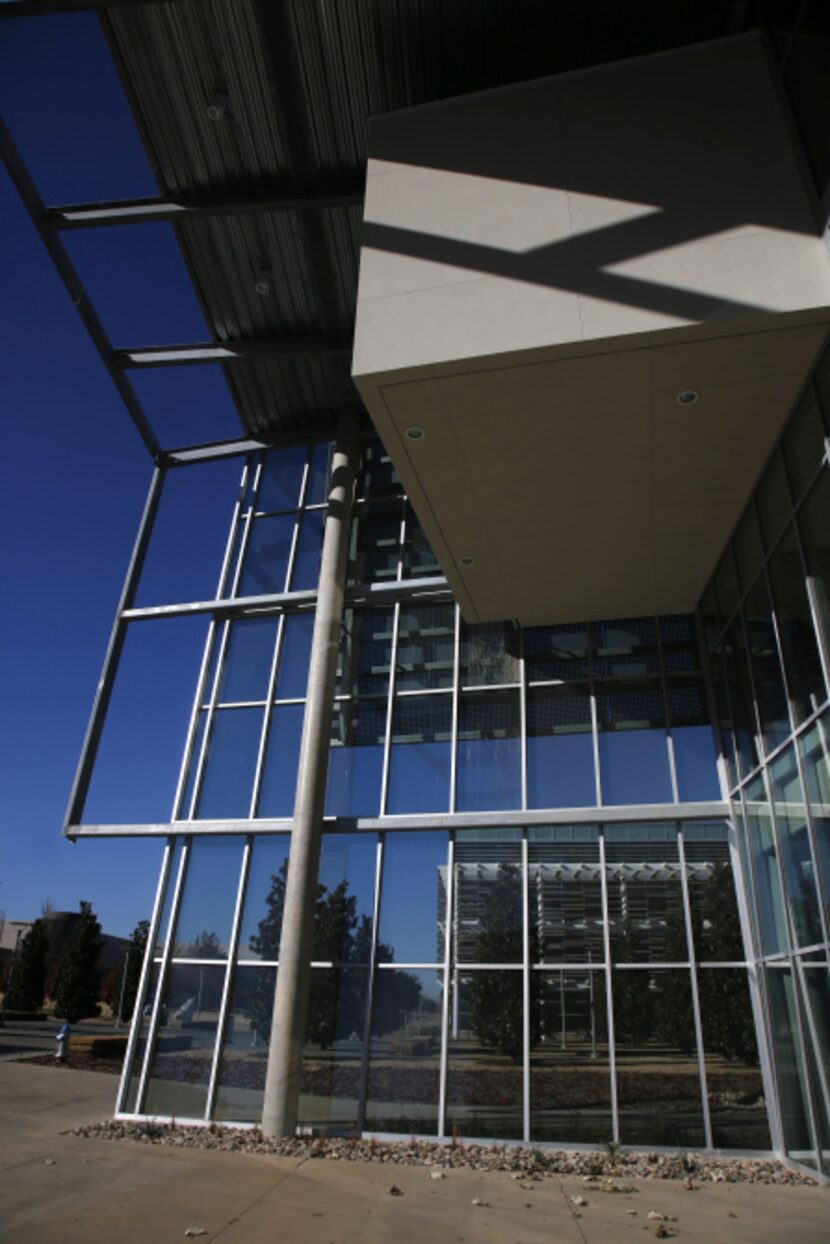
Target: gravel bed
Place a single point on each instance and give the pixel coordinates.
(532, 1163)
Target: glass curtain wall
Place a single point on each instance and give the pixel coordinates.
(766, 620)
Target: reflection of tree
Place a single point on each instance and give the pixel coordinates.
(496, 999)
(205, 945)
(633, 999)
(337, 1004)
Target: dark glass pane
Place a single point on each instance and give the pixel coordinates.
(419, 762)
(795, 628)
(248, 657)
(183, 1056)
(259, 931)
(488, 900)
(169, 891)
(333, 1051)
(203, 927)
(376, 541)
(240, 1085)
(266, 555)
(345, 899)
(570, 1082)
(770, 695)
(556, 653)
(413, 898)
(309, 547)
(749, 549)
(292, 677)
(693, 740)
(765, 870)
(633, 748)
(790, 1072)
(803, 443)
(426, 647)
(279, 766)
(736, 664)
(377, 475)
(814, 521)
(484, 1058)
(794, 842)
(183, 812)
(714, 907)
(726, 584)
(356, 758)
(365, 654)
(560, 749)
(817, 1003)
(404, 1058)
(815, 757)
(709, 615)
(143, 1022)
(317, 485)
(625, 648)
(658, 1084)
(773, 501)
(724, 712)
(137, 766)
(488, 775)
(280, 479)
(645, 898)
(228, 775)
(419, 560)
(564, 886)
(744, 851)
(489, 654)
(733, 1077)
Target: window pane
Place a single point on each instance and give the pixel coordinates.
(749, 549)
(413, 898)
(814, 521)
(419, 763)
(733, 1076)
(677, 644)
(356, 758)
(346, 896)
(770, 695)
(404, 1058)
(241, 1080)
(266, 555)
(259, 932)
(333, 1051)
(693, 740)
(419, 560)
(365, 653)
(565, 895)
(714, 906)
(280, 479)
(736, 664)
(795, 627)
(726, 584)
(292, 677)
(376, 541)
(426, 647)
(248, 657)
(658, 1084)
(488, 917)
(765, 870)
(645, 899)
(169, 891)
(556, 653)
(794, 842)
(180, 1073)
(316, 492)
(633, 749)
(560, 749)
(489, 654)
(790, 1072)
(817, 1001)
(484, 1061)
(488, 751)
(627, 647)
(309, 548)
(816, 761)
(279, 766)
(203, 928)
(570, 1084)
(131, 1097)
(228, 775)
(803, 443)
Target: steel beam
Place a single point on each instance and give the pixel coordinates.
(282, 1084)
(229, 351)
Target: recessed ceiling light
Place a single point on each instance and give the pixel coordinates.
(415, 434)
(262, 284)
(687, 397)
(467, 561)
(217, 107)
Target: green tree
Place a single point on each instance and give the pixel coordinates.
(633, 997)
(726, 1011)
(132, 975)
(27, 981)
(76, 997)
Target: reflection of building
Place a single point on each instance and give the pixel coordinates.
(589, 329)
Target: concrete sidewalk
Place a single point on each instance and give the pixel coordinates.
(66, 1189)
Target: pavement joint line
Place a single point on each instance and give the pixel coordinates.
(37, 1157)
(572, 1211)
(277, 1183)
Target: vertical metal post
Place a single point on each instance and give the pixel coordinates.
(282, 1084)
(449, 917)
(526, 970)
(609, 993)
(692, 953)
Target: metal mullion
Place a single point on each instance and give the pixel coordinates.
(667, 717)
(592, 695)
(738, 623)
(235, 515)
(706, 656)
(779, 650)
(152, 1031)
(525, 994)
(230, 974)
(370, 989)
(759, 998)
(701, 1061)
(210, 714)
(823, 898)
(802, 1048)
(146, 970)
(523, 723)
(387, 740)
(445, 1002)
(815, 1043)
(266, 717)
(609, 994)
(246, 529)
(455, 708)
(399, 576)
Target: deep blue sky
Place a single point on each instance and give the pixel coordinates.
(74, 470)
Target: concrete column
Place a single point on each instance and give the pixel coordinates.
(282, 1083)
